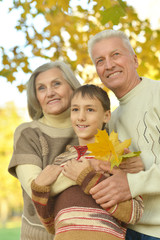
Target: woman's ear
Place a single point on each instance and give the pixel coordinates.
(107, 116)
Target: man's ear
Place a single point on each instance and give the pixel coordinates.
(107, 116)
(136, 61)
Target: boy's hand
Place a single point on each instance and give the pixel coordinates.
(48, 175)
(73, 168)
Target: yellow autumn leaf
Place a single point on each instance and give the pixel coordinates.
(119, 146)
(109, 148)
(21, 87)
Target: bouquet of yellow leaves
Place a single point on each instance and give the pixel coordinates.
(109, 148)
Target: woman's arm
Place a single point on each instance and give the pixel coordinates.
(48, 175)
(41, 195)
(26, 173)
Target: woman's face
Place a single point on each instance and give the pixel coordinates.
(53, 91)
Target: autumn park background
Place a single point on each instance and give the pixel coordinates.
(49, 30)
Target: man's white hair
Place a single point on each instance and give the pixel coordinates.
(106, 34)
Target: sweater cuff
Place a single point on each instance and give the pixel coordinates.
(40, 189)
(88, 179)
(83, 174)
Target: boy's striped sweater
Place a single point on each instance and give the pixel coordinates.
(74, 214)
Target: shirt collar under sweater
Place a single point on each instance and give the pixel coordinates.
(134, 92)
(61, 120)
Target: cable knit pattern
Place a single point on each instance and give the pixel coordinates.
(138, 117)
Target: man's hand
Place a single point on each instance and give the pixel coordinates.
(132, 164)
(112, 190)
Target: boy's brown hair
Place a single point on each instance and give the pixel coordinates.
(94, 91)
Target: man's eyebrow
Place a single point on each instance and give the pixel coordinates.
(98, 57)
(110, 53)
(115, 50)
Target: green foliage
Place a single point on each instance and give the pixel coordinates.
(112, 14)
(6, 233)
(66, 30)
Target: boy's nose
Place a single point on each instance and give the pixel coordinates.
(81, 116)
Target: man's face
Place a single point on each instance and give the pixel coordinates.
(115, 65)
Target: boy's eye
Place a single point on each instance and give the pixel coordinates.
(90, 110)
(74, 109)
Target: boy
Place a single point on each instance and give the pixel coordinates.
(73, 214)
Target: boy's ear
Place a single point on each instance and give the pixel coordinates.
(107, 116)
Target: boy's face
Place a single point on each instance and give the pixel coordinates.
(87, 115)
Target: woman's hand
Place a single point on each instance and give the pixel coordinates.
(48, 175)
(73, 168)
(132, 165)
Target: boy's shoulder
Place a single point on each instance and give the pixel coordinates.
(69, 154)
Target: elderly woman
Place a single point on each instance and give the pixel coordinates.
(37, 143)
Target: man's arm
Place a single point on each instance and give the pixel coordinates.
(121, 186)
(106, 193)
(149, 178)
(86, 177)
(112, 190)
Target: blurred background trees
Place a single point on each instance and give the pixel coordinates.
(52, 30)
(60, 30)
(10, 192)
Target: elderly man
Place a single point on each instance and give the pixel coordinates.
(138, 118)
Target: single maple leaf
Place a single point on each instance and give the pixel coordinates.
(109, 148)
